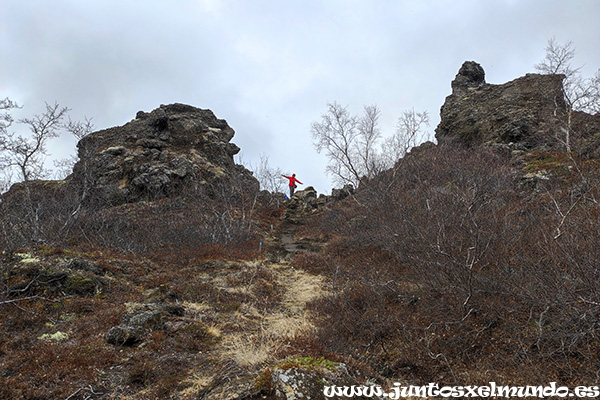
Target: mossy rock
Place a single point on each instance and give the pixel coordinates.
(308, 363)
(80, 284)
(141, 319)
(555, 163)
(307, 378)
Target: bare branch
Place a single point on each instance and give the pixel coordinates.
(337, 134)
(409, 132)
(369, 134)
(582, 94)
(558, 59)
(80, 129)
(268, 177)
(351, 142)
(28, 298)
(26, 153)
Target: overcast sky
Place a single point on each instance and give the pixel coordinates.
(269, 67)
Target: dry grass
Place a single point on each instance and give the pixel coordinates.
(266, 333)
(301, 286)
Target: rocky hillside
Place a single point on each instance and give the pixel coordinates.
(158, 270)
(473, 260)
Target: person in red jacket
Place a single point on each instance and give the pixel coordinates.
(293, 181)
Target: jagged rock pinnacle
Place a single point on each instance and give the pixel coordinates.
(470, 75)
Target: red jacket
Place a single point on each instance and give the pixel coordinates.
(293, 180)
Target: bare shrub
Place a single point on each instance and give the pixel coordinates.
(444, 263)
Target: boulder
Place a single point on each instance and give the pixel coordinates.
(307, 202)
(139, 321)
(308, 378)
(308, 193)
(340, 194)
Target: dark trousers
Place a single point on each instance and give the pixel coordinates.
(292, 188)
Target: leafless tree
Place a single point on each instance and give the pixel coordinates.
(409, 131)
(369, 135)
(26, 154)
(581, 94)
(5, 118)
(351, 142)
(6, 121)
(337, 134)
(79, 129)
(558, 59)
(268, 177)
(585, 93)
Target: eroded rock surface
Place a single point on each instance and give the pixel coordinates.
(159, 154)
(529, 110)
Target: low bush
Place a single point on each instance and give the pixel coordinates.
(451, 261)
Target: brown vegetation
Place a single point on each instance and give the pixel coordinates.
(456, 258)
(451, 264)
(459, 265)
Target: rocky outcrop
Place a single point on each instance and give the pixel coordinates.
(159, 154)
(140, 320)
(529, 110)
(341, 194)
(527, 114)
(306, 202)
(470, 76)
(585, 129)
(73, 277)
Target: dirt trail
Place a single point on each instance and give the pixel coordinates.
(287, 241)
(292, 244)
(261, 334)
(301, 286)
(290, 318)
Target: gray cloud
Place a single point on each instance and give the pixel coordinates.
(270, 67)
